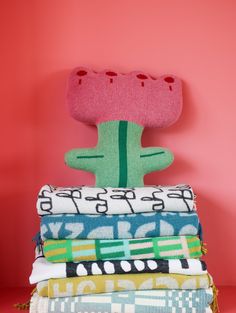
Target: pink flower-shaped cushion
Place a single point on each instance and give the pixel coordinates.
(137, 97)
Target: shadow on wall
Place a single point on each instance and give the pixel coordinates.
(57, 133)
(219, 235)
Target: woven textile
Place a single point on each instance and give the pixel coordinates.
(145, 301)
(83, 226)
(176, 247)
(43, 270)
(94, 200)
(75, 286)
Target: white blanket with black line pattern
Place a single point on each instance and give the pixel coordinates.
(95, 200)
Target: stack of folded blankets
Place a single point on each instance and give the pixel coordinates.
(134, 260)
(118, 248)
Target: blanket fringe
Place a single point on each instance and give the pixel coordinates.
(204, 248)
(22, 306)
(214, 305)
(26, 305)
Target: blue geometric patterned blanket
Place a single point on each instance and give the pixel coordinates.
(147, 301)
(141, 225)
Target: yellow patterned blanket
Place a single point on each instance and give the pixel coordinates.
(68, 287)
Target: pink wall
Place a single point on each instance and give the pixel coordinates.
(43, 40)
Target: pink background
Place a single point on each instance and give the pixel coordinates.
(43, 40)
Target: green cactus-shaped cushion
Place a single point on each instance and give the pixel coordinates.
(118, 160)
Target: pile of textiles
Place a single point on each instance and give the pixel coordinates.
(120, 250)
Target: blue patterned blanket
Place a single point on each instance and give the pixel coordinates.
(146, 301)
(141, 225)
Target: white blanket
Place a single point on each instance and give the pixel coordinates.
(44, 270)
(94, 200)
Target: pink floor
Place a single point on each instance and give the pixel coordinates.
(227, 299)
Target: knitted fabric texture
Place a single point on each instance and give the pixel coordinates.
(119, 160)
(149, 101)
(94, 200)
(82, 226)
(44, 270)
(145, 301)
(118, 104)
(174, 247)
(75, 286)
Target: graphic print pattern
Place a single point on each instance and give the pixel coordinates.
(75, 286)
(145, 301)
(174, 247)
(95, 200)
(126, 226)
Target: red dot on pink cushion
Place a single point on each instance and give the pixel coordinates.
(81, 73)
(142, 76)
(111, 73)
(169, 79)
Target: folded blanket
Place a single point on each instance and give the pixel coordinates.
(82, 226)
(146, 301)
(174, 247)
(94, 200)
(75, 286)
(43, 270)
